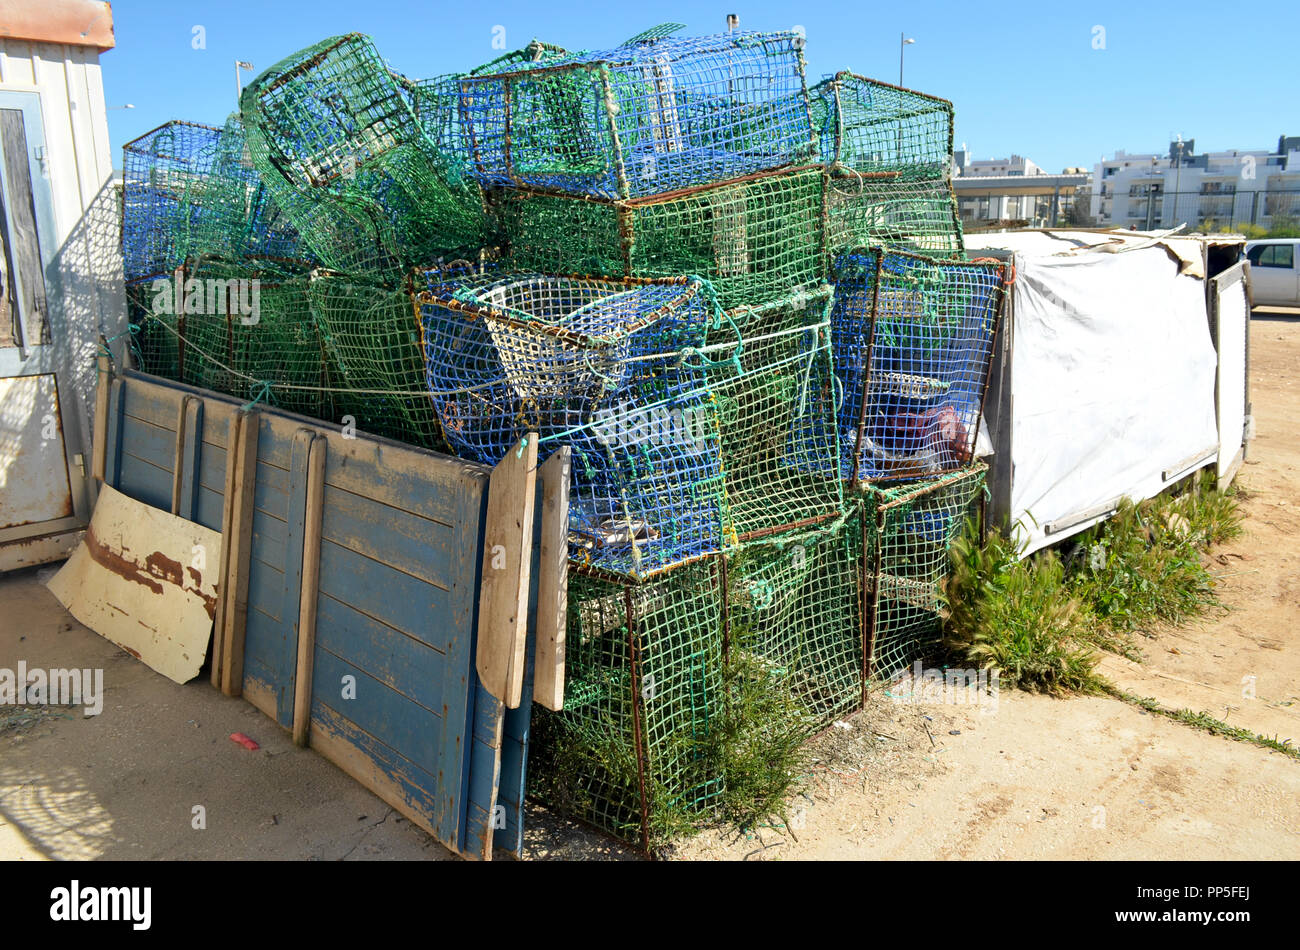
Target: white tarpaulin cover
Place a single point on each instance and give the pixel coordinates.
(1112, 378)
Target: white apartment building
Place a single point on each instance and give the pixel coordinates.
(1215, 190)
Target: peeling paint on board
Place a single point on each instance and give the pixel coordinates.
(127, 582)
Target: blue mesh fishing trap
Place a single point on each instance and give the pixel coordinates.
(610, 368)
(913, 340)
(649, 117)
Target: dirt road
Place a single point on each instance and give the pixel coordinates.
(1031, 777)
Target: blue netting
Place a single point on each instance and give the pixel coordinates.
(190, 190)
(609, 368)
(163, 172)
(644, 118)
(912, 339)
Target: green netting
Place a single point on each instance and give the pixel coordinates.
(335, 137)
(794, 609)
(252, 335)
(770, 379)
(631, 752)
(909, 530)
(436, 101)
(889, 152)
(755, 240)
(655, 115)
(372, 334)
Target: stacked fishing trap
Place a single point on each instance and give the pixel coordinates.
(741, 302)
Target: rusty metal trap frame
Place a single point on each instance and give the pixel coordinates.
(913, 344)
(888, 151)
(634, 750)
(189, 189)
(335, 137)
(909, 530)
(658, 114)
(616, 370)
(754, 239)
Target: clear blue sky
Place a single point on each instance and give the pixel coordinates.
(1023, 78)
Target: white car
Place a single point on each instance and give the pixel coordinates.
(1275, 271)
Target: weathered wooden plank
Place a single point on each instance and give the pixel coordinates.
(185, 481)
(396, 781)
(409, 543)
(309, 593)
(507, 558)
(208, 506)
(103, 383)
(400, 662)
(113, 440)
(408, 479)
(239, 542)
(484, 774)
(407, 728)
(508, 833)
(156, 405)
(269, 537)
(553, 580)
(227, 531)
(399, 600)
(284, 659)
(459, 679)
(144, 482)
(150, 443)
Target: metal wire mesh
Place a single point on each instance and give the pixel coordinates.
(610, 368)
(630, 751)
(754, 240)
(889, 152)
(652, 116)
(334, 135)
(913, 339)
(794, 607)
(163, 171)
(909, 531)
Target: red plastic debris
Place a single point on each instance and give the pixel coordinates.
(243, 740)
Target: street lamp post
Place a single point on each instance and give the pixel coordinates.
(901, 43)
(239, 83)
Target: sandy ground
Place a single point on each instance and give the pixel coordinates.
(1025, 777)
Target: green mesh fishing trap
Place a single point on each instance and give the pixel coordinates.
(335, 137)
(755, 240)
(436, 101)
(795, 611)
(372, 335)
(656, 115)
(248, 331)
(913, 342)
(889, 154)
(769, 375)
(632, 752)
(909, 530)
